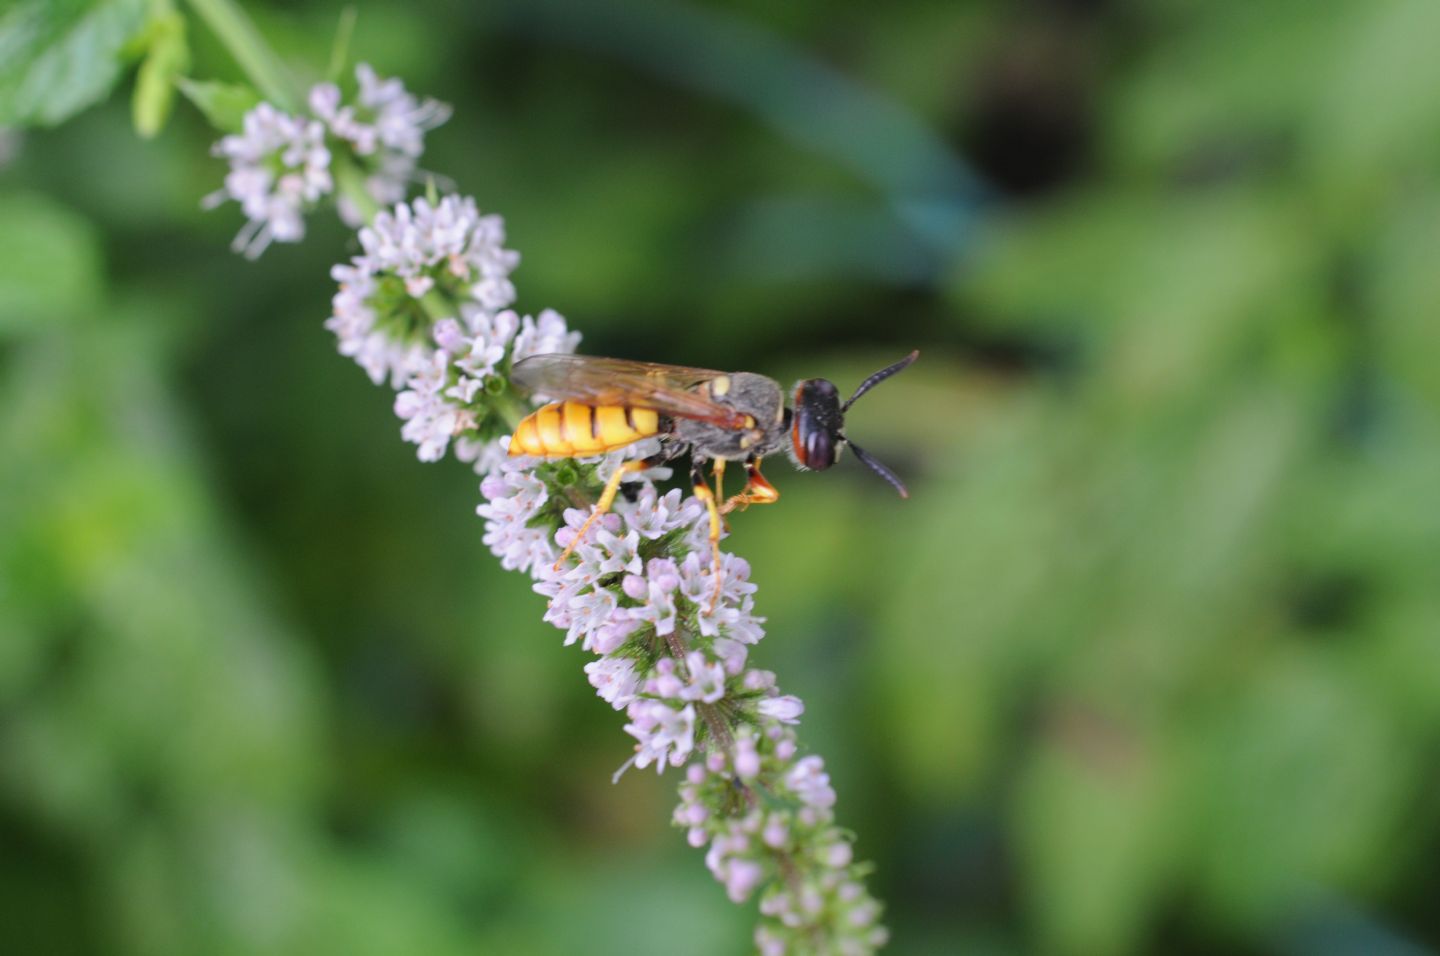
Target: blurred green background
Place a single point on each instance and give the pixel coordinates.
(1149, 663)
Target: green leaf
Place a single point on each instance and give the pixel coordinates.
(59, 56)
(1095, 828)
(224, 104)
(1300, 779)
(167, 58)
(50, 266)
(1368, 119)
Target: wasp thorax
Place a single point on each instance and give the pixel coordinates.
(815, 428)
(763, 405)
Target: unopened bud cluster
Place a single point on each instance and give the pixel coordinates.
(779, 833)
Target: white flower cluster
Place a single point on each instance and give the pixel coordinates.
(279, 169)
(385, 127)
(514, 497)
(635, 592)
(438, 399)
(638, 579)
(420, 260)
(380, 317)
(281, 165)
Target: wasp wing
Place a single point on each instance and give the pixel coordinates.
(668, 389)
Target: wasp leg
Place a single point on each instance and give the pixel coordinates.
(607, 498)
(718, 467)
(703, 492)
(757, 490)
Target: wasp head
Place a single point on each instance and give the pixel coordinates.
(817, 425)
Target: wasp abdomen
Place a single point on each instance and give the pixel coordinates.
(574, 430)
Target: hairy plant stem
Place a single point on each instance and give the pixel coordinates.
(714, 720)
(719, 730)
(578, 498)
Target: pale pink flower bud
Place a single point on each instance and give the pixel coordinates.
(758, 680)
(837, 855)
(786, 708)
(747, 759)
(767, 943)
(865, 913)
(742, 878)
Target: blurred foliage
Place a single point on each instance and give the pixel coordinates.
(59, 56)
(1148, 663)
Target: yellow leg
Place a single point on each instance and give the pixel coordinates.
(607, 498)
(703, 492)
(757, 491)
(719, 468)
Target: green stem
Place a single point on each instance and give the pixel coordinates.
(350, 180)
(340, 51)
(438, 306)
(261, 64)
(511, 407)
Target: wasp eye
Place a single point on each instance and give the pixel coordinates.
(819, 450)
(816, 426)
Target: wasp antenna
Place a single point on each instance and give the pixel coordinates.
(876, 465)
(879, 377)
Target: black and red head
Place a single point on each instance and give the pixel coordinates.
(817, 425)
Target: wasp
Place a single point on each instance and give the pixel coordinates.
(601, 404)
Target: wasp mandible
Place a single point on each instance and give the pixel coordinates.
(603, 404)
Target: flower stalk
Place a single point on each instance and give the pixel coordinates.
(350, 181)
(426, 307)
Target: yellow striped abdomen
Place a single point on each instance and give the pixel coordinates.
(574, 430)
